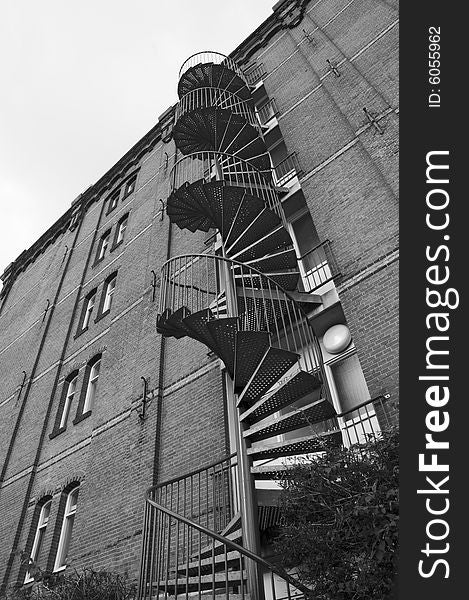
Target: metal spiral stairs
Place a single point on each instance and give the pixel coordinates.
(243, 306)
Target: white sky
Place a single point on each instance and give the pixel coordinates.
(81, 82)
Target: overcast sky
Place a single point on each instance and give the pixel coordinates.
(82, 81)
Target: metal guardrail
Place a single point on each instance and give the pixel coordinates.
(208, 495)
(255, 74)
(216, 58)
(210, 166)
(267, 111)
(176, 563)
(288, 168)
(195, 281)
(318, 266)
(212, 97)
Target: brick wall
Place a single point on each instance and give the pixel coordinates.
(350, 185)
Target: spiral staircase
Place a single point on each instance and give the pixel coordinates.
(243, 305)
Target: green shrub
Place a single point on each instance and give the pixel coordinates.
(340, 521)
(86, 584)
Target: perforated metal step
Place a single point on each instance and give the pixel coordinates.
(251, 347)
(287, 280)
(296, 384)
(221, 130)
(284, 259)
(210, 74)
(224, 331)
(202, 582)
(197, 324)
(275, 363)
(303, 445)
(296, 419)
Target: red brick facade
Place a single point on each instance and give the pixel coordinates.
(349, 180)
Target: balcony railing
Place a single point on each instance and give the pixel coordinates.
(195, 282)
(210, 166)
(318, 266)
(285, 170)
(255, 74)
(217, 98)
(366, 421)
(266, 112)
(209, 57)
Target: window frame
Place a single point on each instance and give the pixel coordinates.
(69, 396)
(69, 512)
(39, 535)
(84, 322)
(347, 423)
(92, 385)
(103, 245)
(91, 300)
(113, 201)
(130, 183)
(122, 225)
(83, 402)
(108, 294)
(60, 424)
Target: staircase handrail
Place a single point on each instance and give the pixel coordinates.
(211, 465)
(234, 546)
(244, 266)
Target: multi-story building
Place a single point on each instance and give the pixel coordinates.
(221, 301)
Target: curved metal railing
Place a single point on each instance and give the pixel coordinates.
(197, 282)
(212, 97)
(185, 547)
(210, 166)
(208, 56)
(208, 495)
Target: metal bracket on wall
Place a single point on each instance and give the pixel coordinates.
(334, 69)
(145, 400)
(21, 387)
(372, 119)
(309, 37)
(153, 285)
(45, 310)
(163, 207)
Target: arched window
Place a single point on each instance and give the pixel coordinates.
(89, 389)
(91, 299)
(92, 385)
(39, 537)
(113, 201)
(109, 293)
(120, 231)
(130, 185)
(71, 385)
(69, 392)
(102, 246)
(66, 529)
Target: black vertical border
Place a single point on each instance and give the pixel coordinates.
(424, 129)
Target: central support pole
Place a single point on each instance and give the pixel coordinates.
(247, 492)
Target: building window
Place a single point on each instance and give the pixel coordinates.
(350, 391)
(90, 302)
(70, 394)
(102, 246)
(130, 185)
(39, 538)
(92, 385)
(67, 529)
(113, 201)
(314, 267)
(120, 231)
(109, 294)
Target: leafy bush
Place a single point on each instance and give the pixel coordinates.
(340, 521)
(86, 584)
